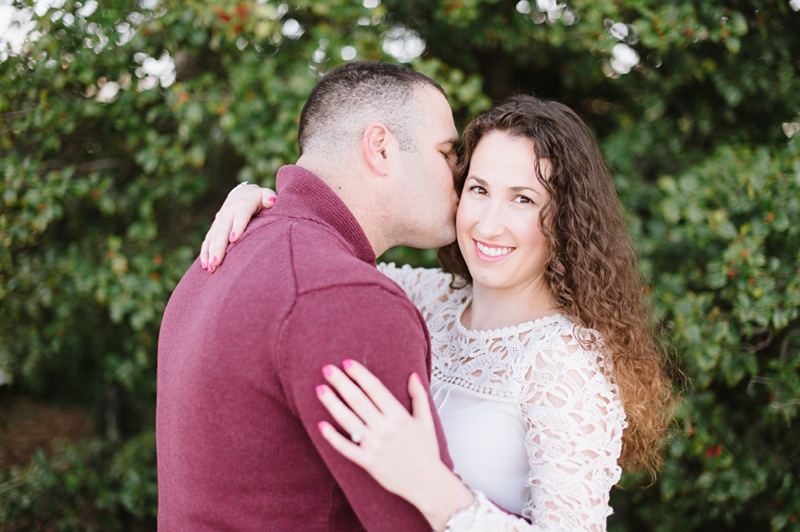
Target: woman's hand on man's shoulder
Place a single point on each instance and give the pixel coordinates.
(242, 203)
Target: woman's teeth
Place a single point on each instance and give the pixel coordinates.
(494, 252)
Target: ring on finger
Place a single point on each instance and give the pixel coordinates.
(357, 435)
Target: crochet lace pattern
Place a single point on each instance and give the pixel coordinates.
(566, 396)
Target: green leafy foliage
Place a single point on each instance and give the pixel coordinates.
(95, 487)
(728, 256)
(112, 166)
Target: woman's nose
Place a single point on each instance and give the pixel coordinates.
(491, 222)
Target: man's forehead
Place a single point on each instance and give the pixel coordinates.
(437, 115)
(435, 99)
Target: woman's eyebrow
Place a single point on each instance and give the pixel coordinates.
(485, 184)
(518, 189)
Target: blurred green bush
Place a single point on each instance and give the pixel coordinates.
(124, 124)
(96, 486)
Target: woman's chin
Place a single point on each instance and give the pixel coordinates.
(488, 280)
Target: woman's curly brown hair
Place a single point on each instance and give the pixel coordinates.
(591, 268)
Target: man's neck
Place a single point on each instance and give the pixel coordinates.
(365, 207)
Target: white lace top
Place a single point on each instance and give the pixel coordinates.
(532, 419)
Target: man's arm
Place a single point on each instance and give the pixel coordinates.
(381, 330)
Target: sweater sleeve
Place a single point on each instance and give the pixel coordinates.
(383, 331)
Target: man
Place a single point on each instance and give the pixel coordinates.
(240, 351)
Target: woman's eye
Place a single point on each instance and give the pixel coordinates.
(478, 190)
(523, 200)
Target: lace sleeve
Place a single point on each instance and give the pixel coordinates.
(574, 437)
(423, 286)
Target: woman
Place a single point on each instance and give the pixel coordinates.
(545, 373)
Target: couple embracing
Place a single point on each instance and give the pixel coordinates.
(302, 388)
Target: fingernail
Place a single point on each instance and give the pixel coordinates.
(272, 200)
(416, 376)
(214, 260)
(320, 389)
(347, 363)
(203, 265)
(327, 371)
(321, 426)
(233, 236)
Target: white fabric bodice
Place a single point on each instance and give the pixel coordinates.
(486, 440)
(532, 418)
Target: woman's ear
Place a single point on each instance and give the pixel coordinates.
(375, 144)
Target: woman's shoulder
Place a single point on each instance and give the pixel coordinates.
(561, 332)
(567, 368)
(562, 345)
(392, 270)
(420, 284)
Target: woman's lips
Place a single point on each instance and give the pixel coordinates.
(491, 253)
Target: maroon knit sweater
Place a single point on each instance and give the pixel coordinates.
(239, 356)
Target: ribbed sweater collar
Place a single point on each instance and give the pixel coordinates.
(304, 194)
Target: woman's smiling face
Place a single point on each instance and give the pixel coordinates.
(497, 223)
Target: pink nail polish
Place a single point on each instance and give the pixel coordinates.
(214, 260)
(320, 389)
(233, 236)
(327, 371)
(347, 363)
(416, 376)
(272, 200)
(203, 265)
(321, 426)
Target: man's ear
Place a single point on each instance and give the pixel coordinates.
(375, 142)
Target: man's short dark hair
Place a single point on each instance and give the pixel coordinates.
(351, 96)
